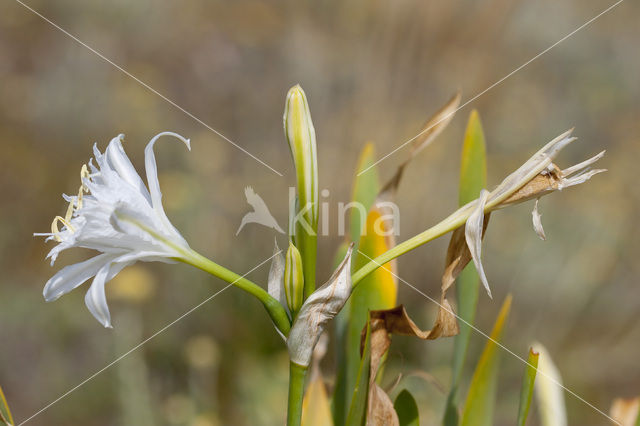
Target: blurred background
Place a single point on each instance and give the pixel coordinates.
(373, 71)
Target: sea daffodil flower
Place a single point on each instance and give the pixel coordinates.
(116, 214)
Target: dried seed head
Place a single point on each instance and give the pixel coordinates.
(538, 176)
(552, 178)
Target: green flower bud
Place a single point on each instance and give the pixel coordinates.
(301, 136)
(293, 279)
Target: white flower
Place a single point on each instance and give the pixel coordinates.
(114, 213)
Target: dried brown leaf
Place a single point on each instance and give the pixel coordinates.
(436, 124)
(431, 129)
(384, 323)
(380, 409)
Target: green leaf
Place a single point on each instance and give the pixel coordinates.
(407, 409)
(365, 190)
(358, 408)
(478, 408)
(473, 178)
(5, 413)
(473, 165)
(526, 392)
(377, 291)
(339, 400)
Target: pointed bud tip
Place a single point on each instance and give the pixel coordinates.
(296, 94)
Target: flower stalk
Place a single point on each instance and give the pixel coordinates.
(276, 311)
(297, 375)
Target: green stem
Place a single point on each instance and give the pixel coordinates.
(308, 251)
(274, 308)
(454, 221)
(297, 374)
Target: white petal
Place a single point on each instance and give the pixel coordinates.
(317, 311)
(579, 178)
(96, 300)
(72, 276)
(275, 285)
(131, 223)
(119, 161)
(152, 176)
(144, 256)
(473, 236)
(537, 223)
(55, 251)
(571, 170)
(534, 165)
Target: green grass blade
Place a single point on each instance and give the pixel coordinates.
(377, 291)
(473, 177)
(358, 407)
(4, 408)
(365, 190)
(407, 409)
(479, 406)
(473, 164)
(526, 392)
(339, 399)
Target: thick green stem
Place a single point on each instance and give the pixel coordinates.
(297, 374)
(274, 308)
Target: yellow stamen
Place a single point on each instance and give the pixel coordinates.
(79, 199)
(84, 173)
(69, 213)
(54, 227)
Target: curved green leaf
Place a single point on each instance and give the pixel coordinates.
(473, 178)
(407, 409)
(5, 413)
(377, 291)
(478, 408)
(358, 408)
(365, 190)
(526, 392)
(473, 164)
